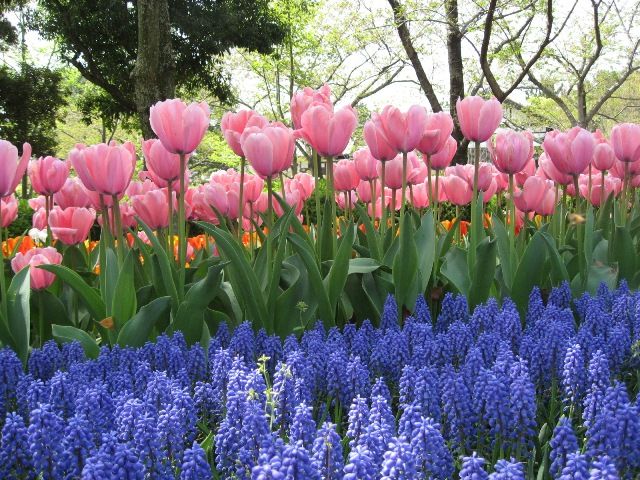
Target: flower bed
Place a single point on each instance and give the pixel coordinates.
(550, 394)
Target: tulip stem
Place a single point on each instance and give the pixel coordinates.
(436, 198)
(316, 192)
(372, 188)
(403, 195)
(240, 199)
(3, 287)
(182, 245)
(383, 206)
(106, 223)
(512, 212)
(563, 215)
(601, 188)
(332, 199)
(393, 213)
(117, 221)
(580, 233)
(48, 203)
(625, 193)
(269, 220)
(170, 224)
(474, 228)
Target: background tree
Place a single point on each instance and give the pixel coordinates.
(351, 53)
(581, 74)
(184, 43)
(532, 27)
(30, 95)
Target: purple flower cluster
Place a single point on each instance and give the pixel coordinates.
(402, 401)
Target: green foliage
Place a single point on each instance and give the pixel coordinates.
(23, 223)
(100, 40)
(30, 100)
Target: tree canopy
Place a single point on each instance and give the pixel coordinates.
(100, 39)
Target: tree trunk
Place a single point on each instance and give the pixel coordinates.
(582, 104)
(456, 75)
(154, 72)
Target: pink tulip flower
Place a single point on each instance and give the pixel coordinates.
(40, 279)
(510, 150)
(39, 219)
(478, 117)
(153, 207)
(571, 152)
(253, 186)
(269, 150)
(12, 170)
(328, 131)
(603, 157)
(72, 194)
(48, 175)
(376, 138)
(9, 206)
(550, 171)
(421, 195)
(457, 190)
(304, 183)
(599, 190)
(403, 130)
(531, 195)
(234, 124)
(301, 101)
(365, 163)
(345, 176)
(442, 158)
(437, 131)
(547, 205)
(625, 139)
(393, 172)
(160, 162)
(71, 225)
(180, 127)
(105, 169)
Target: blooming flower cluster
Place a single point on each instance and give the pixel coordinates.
(486, 394)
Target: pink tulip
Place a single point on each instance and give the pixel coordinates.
(40, 279)
(71, 225)
(253, 186)
(457, 190)
(364, 191)
(570, 152)
(9, 206)
(200, 208)
(153, 207)
(233, 124)
(127, 218)
(160, 162)
(225, 177)
(376, 138)
(625, 139)
(618, 168)
(532, 194)
(478, 117)
(528, 170)
(403, 130)
(48, 174)
(37, 203)
(180, 127)
(215, 195)
(378, 206)
(343, 203)
(437, 132)
(303, 183)
(140, 188)
(328, 132)
(547, 205)
(393, 172)
(366, 165)
(466, 171)
(420, 195)
(301, 101)
(612, 185)
(105, 169)
(548, 168)
(442, 158)
(269, 150)
(293, 200)
(12, 170)
(345, 176)
(511, 150)
(603, 157)
(416, 170)
(72, 194)
(39, 219)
